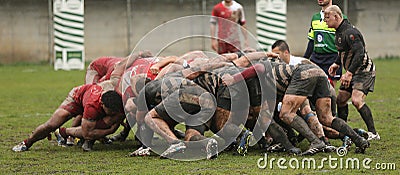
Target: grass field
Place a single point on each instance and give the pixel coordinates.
(29, 94)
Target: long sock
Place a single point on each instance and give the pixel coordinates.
(301, 126)
(279, 135)
(290, 133)
(63, 132)
(27, 144)
(146, 135)
(229, 132)
(341, 126)
(343, 112)
(126, 130)
(366, 115)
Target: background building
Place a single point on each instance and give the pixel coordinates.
(114, 27)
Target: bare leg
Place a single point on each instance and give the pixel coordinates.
(312, 120)
(290, 104)
(160, 126)
(325, 115)
(59, 117)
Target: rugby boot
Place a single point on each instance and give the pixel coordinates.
(141, 152)
(244, 142)
(173, 149)
(20, 147)
(212, 149)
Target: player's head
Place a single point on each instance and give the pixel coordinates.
(333, 16)
(324, 3)
(111, 102)
(281, 48)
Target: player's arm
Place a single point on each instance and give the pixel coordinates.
(245, 74)
(92, 76)
(335, 66)
(89, 131)
(242, 22)
(310, 45)
(155, 69)
(358, 49)
(213, 26)
(121, 66)
(193, 72)
(245, 59)
(310, 49)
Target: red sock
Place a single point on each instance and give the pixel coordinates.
(27, 144)
(63, 132)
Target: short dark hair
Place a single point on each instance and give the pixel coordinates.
(112, 100)
(282, 45)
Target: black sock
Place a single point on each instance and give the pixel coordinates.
(146, 135)
(230, 132)
(366, 115)
(343, 112)
(279, 135)
(341, 126)
(333, 106)
(301, 126)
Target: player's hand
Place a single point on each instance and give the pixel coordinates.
(346, 79)
(230, 56)
(332, 69)
(155, 69)
(227, 79)
(272, 54)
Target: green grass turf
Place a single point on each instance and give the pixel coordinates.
(29, 94)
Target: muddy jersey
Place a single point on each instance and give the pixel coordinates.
(157, 90)
(212, 83)
(351, 46)
(281, 72)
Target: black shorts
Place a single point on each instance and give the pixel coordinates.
(309, 81)
(190, 104)
(235, 97)
(364, 81)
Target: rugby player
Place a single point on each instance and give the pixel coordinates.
(359, 78)
(92, 101)
(298, 83)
